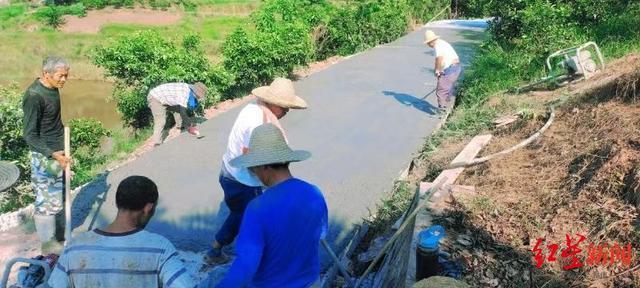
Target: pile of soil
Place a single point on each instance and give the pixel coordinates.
(582, 177)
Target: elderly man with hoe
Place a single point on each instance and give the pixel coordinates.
(447, 69)
(44, 133)
(176, 98)
(123, 254)
(240, 186)
(281, 229)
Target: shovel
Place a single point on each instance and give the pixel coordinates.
(67, 186)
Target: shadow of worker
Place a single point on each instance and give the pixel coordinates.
(410, 100)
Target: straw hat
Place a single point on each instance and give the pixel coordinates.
(430, 36)
(267, 146)
(280, 93)
(9, 174)
(200, 90)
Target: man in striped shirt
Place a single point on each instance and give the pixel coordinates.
(176, 98)
(123, 254)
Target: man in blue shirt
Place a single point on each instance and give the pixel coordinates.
(281, 230)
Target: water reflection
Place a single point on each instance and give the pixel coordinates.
(87, 98)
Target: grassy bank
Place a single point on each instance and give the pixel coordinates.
(26, 40)
(499, 66)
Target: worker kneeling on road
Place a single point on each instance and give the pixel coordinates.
(123, 254)
(177, 98)
(239, 185)
(447, 69)
(281, 229)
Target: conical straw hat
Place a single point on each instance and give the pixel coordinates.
(430, 36)
(280, 93)
(9, 174)
(267, 146)
(200, 90)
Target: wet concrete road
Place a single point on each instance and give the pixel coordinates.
(368, 115)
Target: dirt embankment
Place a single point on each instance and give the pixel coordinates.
(582, 177)
(95, 19)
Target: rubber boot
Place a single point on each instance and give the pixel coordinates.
(46, 229)
(60, 225)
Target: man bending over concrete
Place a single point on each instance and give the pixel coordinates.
(281, 229)
(123, 254)
(177, 98)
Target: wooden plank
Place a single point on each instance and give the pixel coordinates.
(467, 154)
(471, 150)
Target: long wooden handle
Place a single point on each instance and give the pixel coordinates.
(67, 186)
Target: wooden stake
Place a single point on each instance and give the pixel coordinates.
(67, 186)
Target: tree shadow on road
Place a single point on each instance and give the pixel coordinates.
(410, 100)
(93, 193)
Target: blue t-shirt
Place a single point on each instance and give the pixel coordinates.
(192, 103)
(279, 238)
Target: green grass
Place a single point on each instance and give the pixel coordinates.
(496, 69)
(23, 50)
(392, 207)
(123, 145)
(12, 11)
(25, 42)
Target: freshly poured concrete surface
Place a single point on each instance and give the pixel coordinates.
(366, 119)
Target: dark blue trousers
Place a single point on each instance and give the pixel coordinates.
(237, 196)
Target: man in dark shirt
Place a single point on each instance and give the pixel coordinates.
(44, 133)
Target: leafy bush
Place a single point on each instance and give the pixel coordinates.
(144, 60)
(77, 9)
(13, 148)
(525, 32)
(364, 24)
(256, 58)
(95, 4)
(99, 4)
(87, 132)
(12, 11)
(12, 145)
(45, 12)
(273, 13)
(51, 16)
(422, 11)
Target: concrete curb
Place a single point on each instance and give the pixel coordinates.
(16, 218)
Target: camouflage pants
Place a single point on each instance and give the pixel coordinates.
(47, 183)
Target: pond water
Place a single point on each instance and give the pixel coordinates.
(89, 99)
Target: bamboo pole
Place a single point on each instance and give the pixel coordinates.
(67, 186)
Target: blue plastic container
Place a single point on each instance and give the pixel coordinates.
(427, 252)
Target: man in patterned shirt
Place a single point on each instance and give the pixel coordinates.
(176, 98)
(123, 254)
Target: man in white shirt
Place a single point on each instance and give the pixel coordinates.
(240, 186)
(176, 98)
(447, 69)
